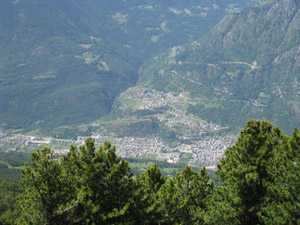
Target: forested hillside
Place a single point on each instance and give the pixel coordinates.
(64, 62)
(246, 67)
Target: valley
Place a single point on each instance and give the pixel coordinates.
(174, 98)
(64, 78)
(149, 112)
(198, 140)
(54, 64)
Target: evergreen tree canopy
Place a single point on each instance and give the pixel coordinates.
(260, 178)
(147, 185)
(86, 187)
(260, 175)
(183, 198)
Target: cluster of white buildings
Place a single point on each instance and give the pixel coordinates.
(151, 99)
(172, 157)
(206, 151)
(27, 140)
(210, 150)
(129, 147)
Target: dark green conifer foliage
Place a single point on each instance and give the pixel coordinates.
(147, 185)
(84, 187)
(8, 192)
(183, 198)
(260, 185)
(244, 172)
(107, 184)
(45, 190)
(282, 201)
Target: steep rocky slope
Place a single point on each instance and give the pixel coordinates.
(246, 67)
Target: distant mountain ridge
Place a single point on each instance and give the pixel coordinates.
(64, 62)
(246, 67)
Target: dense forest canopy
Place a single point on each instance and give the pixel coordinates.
(259, 174)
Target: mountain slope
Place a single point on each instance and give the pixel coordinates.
(246, 67)
(52, 70)
(64, 62)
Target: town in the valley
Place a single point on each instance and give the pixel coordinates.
(206, 152)
(205, 146)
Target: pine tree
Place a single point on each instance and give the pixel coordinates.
(282, 201)
(84, 187)
(45, 190)
(183, 198)
(107, 184)
(146, 209)
(245, 175)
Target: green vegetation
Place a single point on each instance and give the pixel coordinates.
(63, 64)
(259, 175)
(11, 164)
(138, 166)
(14, 159)
(68, 74)
(9, 191)
(69, 188)
(244, 68)
(10, 174)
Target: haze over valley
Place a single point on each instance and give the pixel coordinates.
(125, 112)
(170, 80)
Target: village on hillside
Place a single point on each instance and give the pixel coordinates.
(199, 139)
